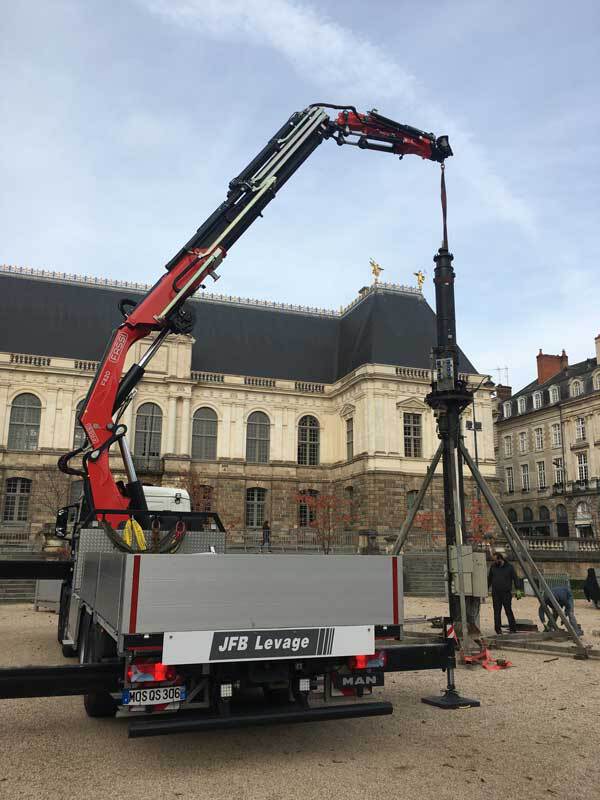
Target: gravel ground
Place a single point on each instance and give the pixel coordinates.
(535, 736)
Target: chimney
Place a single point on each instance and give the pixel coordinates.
(548, 365)
(597, 340)
(503, 392)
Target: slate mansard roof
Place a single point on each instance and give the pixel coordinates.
(51, 314)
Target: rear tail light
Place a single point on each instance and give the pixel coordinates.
(150, 671)
(374, 661)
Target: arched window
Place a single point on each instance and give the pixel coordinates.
(576, 388)
(562, 520)
(255, 507)
(257, 438)
(597, 380)
(16, 500)
(527, 514)
(24, 426)
(544, 513)
(554, 394)
(204, 435)
(512, 515)
(308, 441)
(307, 508)
(148, 430)
(79, 436)
(561, 513)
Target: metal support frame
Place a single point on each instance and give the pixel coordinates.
(538, 583)
(407, 524)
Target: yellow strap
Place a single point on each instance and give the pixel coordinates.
(134, 527)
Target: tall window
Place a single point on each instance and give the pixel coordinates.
(148, 430)
(523, 442)
(78, 432)
(580, 429)
(507, 409)
(204, 435)
(508, 446)
(556, 436)
(537, 400)
(544, 513)
(525, 477)
(597, 380)
(522, 403)
(16, 500)
(576, 388)
(582, 467)
(539, 438)
(24, 426)
(255, 507)
(562, 521)
(510, 480)
(308, 441)
(512, 516)
(527, 514)
(412, 436)
(350, 439)
(258, 436)
(559, 470)
(307, 513)
(554, 394)
(541, 474)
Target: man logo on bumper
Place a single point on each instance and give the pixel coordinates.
(286, 643)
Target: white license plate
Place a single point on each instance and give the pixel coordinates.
(153, 697)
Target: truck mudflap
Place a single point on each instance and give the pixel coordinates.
(184, 723)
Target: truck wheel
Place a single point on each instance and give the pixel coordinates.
(96, 646)
(63, 613)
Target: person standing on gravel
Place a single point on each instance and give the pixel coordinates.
(501, 578)
(591, 589)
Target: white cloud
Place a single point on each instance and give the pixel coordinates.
(349, 68)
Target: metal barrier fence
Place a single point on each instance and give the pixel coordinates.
(293, 541)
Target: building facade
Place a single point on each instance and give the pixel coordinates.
(264, 403)
(548, 449)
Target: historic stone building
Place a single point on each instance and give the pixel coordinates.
(264, 402)
(548, 449)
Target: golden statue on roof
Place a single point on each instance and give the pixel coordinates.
(420, 276)
(376, 269)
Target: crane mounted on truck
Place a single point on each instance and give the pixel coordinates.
(166, 624)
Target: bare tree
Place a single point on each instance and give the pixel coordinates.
(51, 492)
(326, 514)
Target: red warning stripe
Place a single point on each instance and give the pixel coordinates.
(135, 585)
(395, 589)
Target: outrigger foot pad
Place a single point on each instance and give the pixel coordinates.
(451, 699)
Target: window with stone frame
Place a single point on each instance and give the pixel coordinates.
(525, 477)
(148, 431)
(17, 493)
(523, 442)
(559, 470)
(507, 409)
(308, 441)
(413, 443)
(508, 446)
(583, 472)
(510, 480)
(537, 400)
(258, 435)
(597, 380)
(24, 424)
(255, 507)
(538, 434)
(522, 405)
(541, 474)
(349, 438)
(554, 394)
(79, 436)
(307, 511)
(556, 435)
(580, 429)
(576, 389)
(204, 435)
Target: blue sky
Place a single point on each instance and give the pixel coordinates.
(124, 121)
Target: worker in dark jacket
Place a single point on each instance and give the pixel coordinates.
(591, 589)
(501, 579)
(564, 597)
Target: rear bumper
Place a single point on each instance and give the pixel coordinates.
(184, 723)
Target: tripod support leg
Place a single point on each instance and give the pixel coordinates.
(538, 583)
(407, 524)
